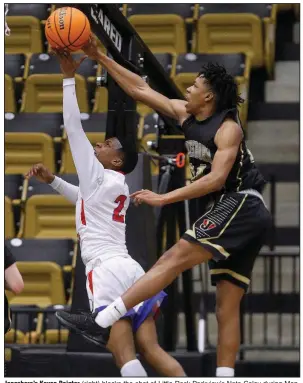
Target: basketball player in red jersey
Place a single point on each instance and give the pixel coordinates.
(101, 200)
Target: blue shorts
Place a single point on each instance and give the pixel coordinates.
(143, 311)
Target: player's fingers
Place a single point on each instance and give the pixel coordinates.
(136, 193)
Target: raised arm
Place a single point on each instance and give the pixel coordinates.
(136, 87)
(90, 170)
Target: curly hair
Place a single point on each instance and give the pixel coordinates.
(222, 85)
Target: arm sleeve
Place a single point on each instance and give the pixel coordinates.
(90, 170)
(69, 191)
(9, 259)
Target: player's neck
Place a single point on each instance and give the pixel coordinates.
(204, 113)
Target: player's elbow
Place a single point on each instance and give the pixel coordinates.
(140, 93)
(14, 280)
(17, 286)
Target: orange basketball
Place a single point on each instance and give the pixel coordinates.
(67, 28)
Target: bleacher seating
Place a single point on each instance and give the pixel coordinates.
(25, 37)
(43, 285)
(22, 150)
(43, 93)
(162, 28)
(231, 28)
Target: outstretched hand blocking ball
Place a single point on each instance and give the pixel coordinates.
(67, 28)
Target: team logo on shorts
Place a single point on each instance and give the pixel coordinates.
(207, 224)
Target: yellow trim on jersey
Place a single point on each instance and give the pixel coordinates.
(237, 276)
(240, 166)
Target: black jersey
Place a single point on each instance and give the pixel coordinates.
(201, 148)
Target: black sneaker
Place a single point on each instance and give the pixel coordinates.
(84, 323)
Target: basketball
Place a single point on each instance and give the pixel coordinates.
(67, 28)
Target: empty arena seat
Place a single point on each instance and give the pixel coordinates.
(10, 102)
(13, 185)
(22, 150)
(161, 27)
(14, 65)
(233, 28)
(48, 123)
(67, 165)
(238, 65)
(9, 218)
(49, 216)
(59, 251)
(41, 11)
(52, 330)
(43, 285)
(43, 94)
(25, 36)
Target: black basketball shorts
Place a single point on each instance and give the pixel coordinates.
(233, 230)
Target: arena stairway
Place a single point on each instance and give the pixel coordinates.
(273, 138)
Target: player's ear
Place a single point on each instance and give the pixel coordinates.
(209, 96)
(117, 162)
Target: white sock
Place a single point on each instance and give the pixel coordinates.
(133, 368)
(111, 313)
(225, 371)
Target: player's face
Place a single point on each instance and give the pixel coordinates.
(107, 152)
(197, 96)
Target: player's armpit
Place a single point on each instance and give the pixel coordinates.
(172, 108)
(227, 140)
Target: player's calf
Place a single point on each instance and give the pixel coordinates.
(121, 345)
(150, 350)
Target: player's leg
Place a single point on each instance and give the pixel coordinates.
(232, 278)
(121, 345)
(228, 299)
(182, 256)
(148, 346)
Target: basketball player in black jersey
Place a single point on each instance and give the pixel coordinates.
(230, 233)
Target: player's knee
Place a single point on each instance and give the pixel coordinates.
(174, 256)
